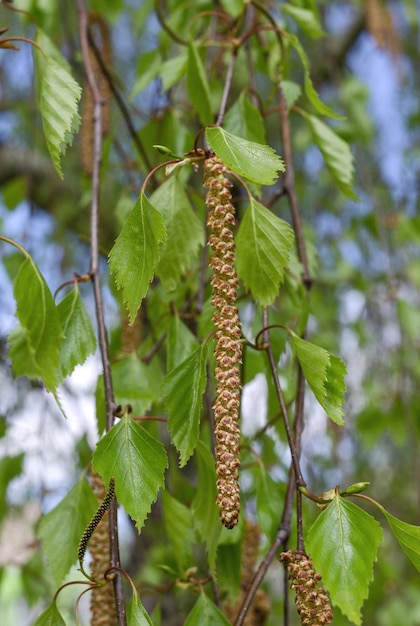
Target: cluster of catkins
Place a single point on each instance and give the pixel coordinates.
(102, 599)
(311, 599)
(228, 348)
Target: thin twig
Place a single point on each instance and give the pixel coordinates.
(94, 272)
(227, 86)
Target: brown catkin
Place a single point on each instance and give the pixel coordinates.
(381, 26)
(102, 36)
(260, 605)
(102, 600)
(311, 599)
(228, 348)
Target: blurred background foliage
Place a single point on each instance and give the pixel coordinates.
(365, 259)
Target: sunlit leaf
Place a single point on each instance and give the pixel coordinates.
(205, 613)
(50, 617)
(343, 543)
(336, 153)
(408, 536)
(205, 510)
(135, 254)
(183, 390)
(59, 95)
(263, 245)
(60, 529)
(79, 338)
(137, 461)
(324, 373)
(185, 233)
(249, 159)
(35, 345)
(198, 87)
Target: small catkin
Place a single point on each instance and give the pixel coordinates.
(102, 600)
(228, 348)
(311, 599)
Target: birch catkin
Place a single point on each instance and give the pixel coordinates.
(228, 349)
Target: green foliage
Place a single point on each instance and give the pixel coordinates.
(179, 530)
(60, 529)
(10, 466)
(263, 246)
(58, 95)
(135, 254)
(324, 373)
(137, 614)
(79, 339)
(343, 544)
(50, 617)
(407, 535)
(137, 461)
(183, 390)
(251, 160)
(206, 613)
(198, 87)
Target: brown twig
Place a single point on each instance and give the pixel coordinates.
(94, 272)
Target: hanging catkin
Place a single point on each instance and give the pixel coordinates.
(312, 602)
(228, 348)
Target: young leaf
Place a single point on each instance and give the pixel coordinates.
(134, 256)
(137, 461)
(137, 614)
(248, 159)
(180, 344)
(263, 245)
(60, 529)
(178, 526)
(205, 510)
(324, 373)
(206, 613)
(197, 85)
(309, 88)
(336, 153)
(183, 389)
(306, 19)
(50, 617)
(343, 543)
(244, 120)
(35, 345)
(59, 95)
(185, 234)
(407, 535)
(79, 338)
(135, 384)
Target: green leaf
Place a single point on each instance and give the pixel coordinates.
(178, 526)
(137, 461)
(205, 510)
(263, 245)
(248, 159)
(291, 92)
(336, 153)
(206, 613)
(183, 389)
(180, 344)
(137, 614)
(185, 233)
(407, 535)
(35, 345)
(306, 19)
(244, 120)
(172, 70)
(134, 256)
(343, 543)
(59, 95)
(50, 617)
(79, 338)
(197, 85)
(324, 373)
(135, 384)
(148, 69)
(60, 529)
(309, 88)
(10, 466)
(269, 509)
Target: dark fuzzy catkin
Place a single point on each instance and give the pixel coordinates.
(228, 347)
